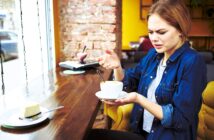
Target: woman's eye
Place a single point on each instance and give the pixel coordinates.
(161, 33)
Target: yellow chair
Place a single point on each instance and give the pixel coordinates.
(206, 114)
(120, 115)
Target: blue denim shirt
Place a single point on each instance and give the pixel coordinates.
(179, 93)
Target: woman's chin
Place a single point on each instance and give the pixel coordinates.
(159, 50)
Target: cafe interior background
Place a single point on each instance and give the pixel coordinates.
(48, 32)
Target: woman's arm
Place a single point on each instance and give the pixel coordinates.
(152, 107)
(118, 73)
(134, 97)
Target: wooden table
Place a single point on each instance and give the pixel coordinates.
(75, 92)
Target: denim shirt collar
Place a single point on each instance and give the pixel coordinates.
(176, 54)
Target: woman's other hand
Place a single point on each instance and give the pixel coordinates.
(109, 60)
(130, 98)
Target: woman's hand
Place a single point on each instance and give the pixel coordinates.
(109, 60)
(134, 97)
(130, 98)
(81, 56)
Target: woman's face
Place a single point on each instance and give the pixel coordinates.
(164, 37)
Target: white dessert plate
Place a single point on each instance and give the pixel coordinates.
(73, 72)
(11, 119)
(103, 96)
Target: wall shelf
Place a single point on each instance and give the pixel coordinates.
(205, 11)
(202, 16)
(144, 8)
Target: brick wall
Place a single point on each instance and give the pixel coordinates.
(94, 23)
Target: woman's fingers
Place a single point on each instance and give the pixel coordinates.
(109, 102)
(109, 60)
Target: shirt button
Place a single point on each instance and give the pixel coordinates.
(179, 126)
(152, 131)
(165, 72)
(151, 77)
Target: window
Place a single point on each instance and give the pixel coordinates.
(27, 28)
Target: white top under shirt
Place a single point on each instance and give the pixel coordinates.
(147, 116)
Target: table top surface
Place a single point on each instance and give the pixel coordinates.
(75, 92)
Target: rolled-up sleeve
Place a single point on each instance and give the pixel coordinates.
(131, 80)
(132, 75)
(167, 115)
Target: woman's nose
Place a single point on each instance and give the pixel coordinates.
(153, 37)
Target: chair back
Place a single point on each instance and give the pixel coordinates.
(206, 114)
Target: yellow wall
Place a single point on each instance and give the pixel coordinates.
(56, 30)
(132, 25)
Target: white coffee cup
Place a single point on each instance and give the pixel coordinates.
(111, 89)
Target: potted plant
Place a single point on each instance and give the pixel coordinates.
(196, 8)
(195, 3)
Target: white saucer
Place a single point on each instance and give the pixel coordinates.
(103, 96)
(11, 119)
(73, 72)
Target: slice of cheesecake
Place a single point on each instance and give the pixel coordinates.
(31, 109)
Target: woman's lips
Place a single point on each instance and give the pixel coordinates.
(157, 46)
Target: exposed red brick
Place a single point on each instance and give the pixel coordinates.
(103, 2)
(94, 23)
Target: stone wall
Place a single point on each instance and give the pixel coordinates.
(94, 23)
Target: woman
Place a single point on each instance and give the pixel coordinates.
(166, 86)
